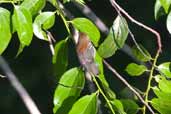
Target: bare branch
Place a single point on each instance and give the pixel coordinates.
(91, 15)
(87, 11)
(50, 39)
(118, 8)
(29, 103)
(128, 85)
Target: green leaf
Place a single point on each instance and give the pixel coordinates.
(99, 62)
(135, 69)
(126, 93)
(166, 4)
(78, 1)
(5, 33)
(44, 21)
(60, 58)
(158, 10)
(20, 50)
(163, 92)
(165, 85)
(130, 106)
(34, 6)
(118, 107)
(68, 90)
(85, 105)
(66, 1)
(116, 38)
(165, 69)
(53, 2)
(108, 92)
(168, 22)
(160, 94)
(141, 54)
(23, 25)
(163, 106)
(86, 26)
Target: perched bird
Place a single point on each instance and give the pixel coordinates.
(86, 54)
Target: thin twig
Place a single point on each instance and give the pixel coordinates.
(91, 15)
(115, 5)
(50, 39)
(2, 76)
(128, 85)
(29, 103)
(102, 93)
(149, 80)
(132, 36)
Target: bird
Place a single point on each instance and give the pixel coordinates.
(86, 54)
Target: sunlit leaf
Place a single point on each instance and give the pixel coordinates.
(86, 26)
(165, 69)
(60, 58)
(34, 6)
(130, 106)
(5, 33)
(162, 105)
(68, 90)
(23, 25)
(78, 1)
(166, 4)
(116, 38)
(161, 94)
(66, 1)
(20, 50)
(158, 10)
(44, 21)
(135, 69)
(118, 107)
(141, 54)
(168, 22)
(165, 85)
(85, 105)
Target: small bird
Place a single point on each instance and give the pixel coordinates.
(86, 54)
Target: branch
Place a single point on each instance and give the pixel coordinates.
(2, 76)
(119, 9)
(105, 30)
(128, 85)
(29, 103)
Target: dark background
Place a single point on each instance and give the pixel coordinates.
(34, 66)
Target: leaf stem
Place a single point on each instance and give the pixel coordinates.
(101, 91)
(62, 17)
(149, 81)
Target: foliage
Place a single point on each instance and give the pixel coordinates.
(30, 18)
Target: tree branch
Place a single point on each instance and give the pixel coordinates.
(120, 9)
(29, 103)
(128, 85)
